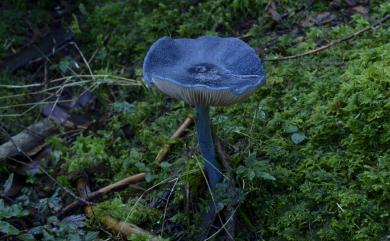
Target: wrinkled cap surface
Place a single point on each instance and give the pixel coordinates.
(205, 71)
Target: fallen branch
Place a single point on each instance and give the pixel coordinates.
(28, 139)
(102, 191)
(189, 121)
(110, 223)
(331, 44)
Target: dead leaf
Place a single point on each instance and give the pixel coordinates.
(55, 112)
(319, 19)
(351, 3)
(271, 10)
(31, 168)
(84, 100)
(335, 4)
(308, 22)
(361, 9)
(17, 184)
(34, 167)
(324, 17)
(35, 149)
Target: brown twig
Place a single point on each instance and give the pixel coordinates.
(331, 44)
(110, 223)
(110, 188)
(189, 121)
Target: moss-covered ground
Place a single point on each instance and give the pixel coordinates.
(310, 151)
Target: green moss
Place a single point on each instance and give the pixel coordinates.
(318, 129)
(341, 108)
(131, 211)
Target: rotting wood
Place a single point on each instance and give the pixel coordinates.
(29, 138)
(112, 187)
(188, 122)
(110, 223)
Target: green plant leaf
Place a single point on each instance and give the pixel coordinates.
(254, 168)
(266, 176)
(91, 236)
(291, 129)
(26, 237)
(15, 210)
(298, 138)
(8, 183)
(8, 228)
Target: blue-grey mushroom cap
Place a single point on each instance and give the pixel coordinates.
(208, 71)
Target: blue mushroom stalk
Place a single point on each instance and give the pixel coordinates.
(206, 144)
(203, 72)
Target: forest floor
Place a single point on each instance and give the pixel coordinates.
(87, 153)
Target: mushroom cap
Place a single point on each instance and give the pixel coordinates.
(207, 71)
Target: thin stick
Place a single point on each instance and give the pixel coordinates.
(188, 122)
(34, 104)
(123, 228)
(224, 226)
(166, 205)
(72, 84)
(84, 59)
(121, 184)
(212, 196)
(331, 44)
(20, 86)
(103, 76)
(110, 188)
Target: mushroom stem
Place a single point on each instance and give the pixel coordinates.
(206, 144)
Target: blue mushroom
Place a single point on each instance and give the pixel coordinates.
(207, 71)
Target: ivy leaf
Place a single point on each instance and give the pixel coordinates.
(82, 9)
(291, 129)
(90, 236)
(298, 138)
(64, 65)
(148, 177)
(26, 237)
(254, 168)
(262, 115)
(165, 165)
(15, 210)
(266, 176)
(123, 107)
(8, 228)
(8, 183)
